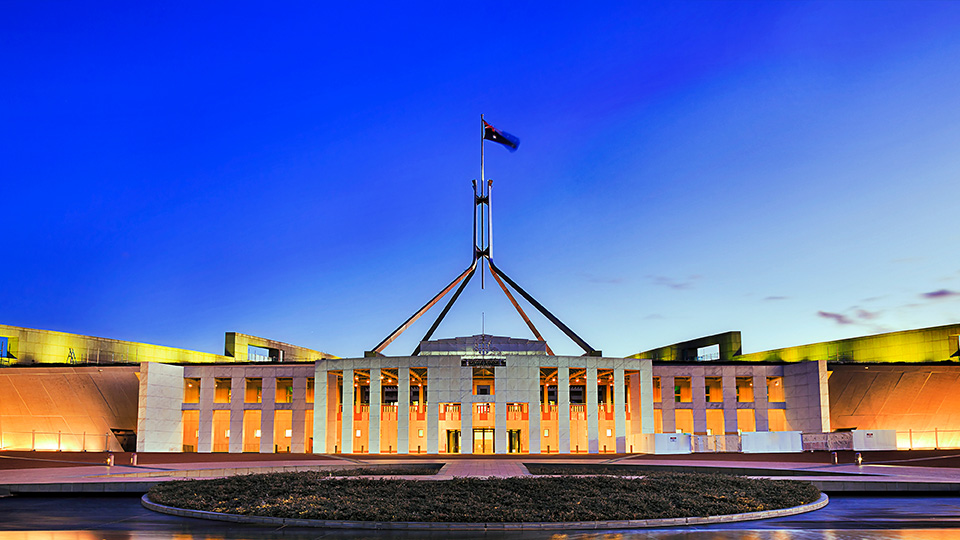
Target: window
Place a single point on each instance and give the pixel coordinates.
(656, 390)
(483, 381)
(310, 385)
(578, 394)
(745, 390)
(254, 393)
(221, 390)
(775, 390)
(713, 389)
(681, 390)
(3, 347)
(284, 390)
(191, 390)
(257, 354)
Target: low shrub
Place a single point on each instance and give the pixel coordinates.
(314, 496)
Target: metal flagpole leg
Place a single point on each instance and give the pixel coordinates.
(590, 351)
(396, 333)
(520, 311)
(446, 308)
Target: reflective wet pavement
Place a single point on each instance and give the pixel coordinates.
(122, 517)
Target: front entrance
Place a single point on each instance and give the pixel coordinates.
(513, 437)
(453, 441)
(483, 441)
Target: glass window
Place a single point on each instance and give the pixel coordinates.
(713, 389)
(191, 390)
(681, 390)
(221, 390)
(254, 393)
(483, 378)
(284, 390)
(310, 389)
(258, 354)
(775, 390)
(745, 390)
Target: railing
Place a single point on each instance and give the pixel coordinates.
(55, 441)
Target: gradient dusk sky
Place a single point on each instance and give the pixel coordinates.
(301, 171)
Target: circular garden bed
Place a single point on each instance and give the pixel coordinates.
(316, 496)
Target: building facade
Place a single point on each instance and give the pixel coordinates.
(480, 395)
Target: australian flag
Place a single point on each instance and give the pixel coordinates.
(491, 133)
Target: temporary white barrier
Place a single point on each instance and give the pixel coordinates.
(671, 443)
(752, 442)
(874, 439)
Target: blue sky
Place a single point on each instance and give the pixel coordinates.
(302, 172)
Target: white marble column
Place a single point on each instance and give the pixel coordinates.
(298, 439)
(320, 405)
(728, 381)
(620, 408)
(267, 414)
(237, 391)
(636, 413)
(698, 384)
(501, 387)
(205, 437)
(593, 413)
(433, 410)
(647, 424)
(533, 409)
(346, 419)
(373, 426)
(466, 426)
(563, 409)
(403, 410)
(667, 404)
(760, 400)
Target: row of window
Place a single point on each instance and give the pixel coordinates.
(713, 389)
(253, 390)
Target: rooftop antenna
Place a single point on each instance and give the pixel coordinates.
(483, 254)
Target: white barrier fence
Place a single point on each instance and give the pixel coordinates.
(58, 441)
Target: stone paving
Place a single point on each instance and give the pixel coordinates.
(76, 476)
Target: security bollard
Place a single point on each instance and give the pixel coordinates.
(835, 460)
(859, 459)
(110, 459)
(133, 459)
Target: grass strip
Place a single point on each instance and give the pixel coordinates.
(310, 495)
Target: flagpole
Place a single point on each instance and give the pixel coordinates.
(483, 184)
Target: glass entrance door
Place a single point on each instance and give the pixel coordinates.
(483, 441)
(513, 438)
(453, 441)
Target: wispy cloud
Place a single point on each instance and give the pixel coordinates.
(838, 318)
(775, 298)
(942, 293)
(867, 315)
(654, 317)
(600, 279)
(676, 284)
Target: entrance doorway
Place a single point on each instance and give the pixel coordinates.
(483, 441)
(453, 441)
(513, 438)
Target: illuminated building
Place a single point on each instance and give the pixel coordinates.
(702, 395)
